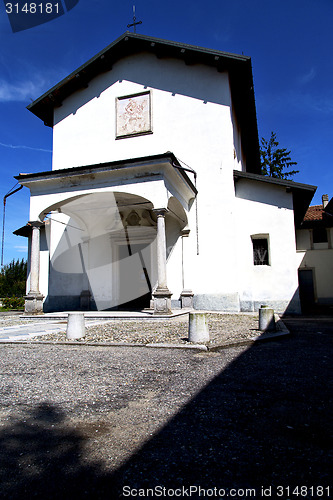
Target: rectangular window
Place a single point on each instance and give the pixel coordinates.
(260, 251)
(319, 235)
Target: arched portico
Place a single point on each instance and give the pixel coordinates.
(107, 241)
(107, 250)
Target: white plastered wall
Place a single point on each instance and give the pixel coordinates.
(261, 209)
(190, 106)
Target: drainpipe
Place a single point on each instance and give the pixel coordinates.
(4, 216)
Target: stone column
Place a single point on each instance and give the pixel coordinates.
(186, 296)
(34, 299)
(162, 295)
(85, 295)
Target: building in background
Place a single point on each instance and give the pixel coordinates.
(315, 254)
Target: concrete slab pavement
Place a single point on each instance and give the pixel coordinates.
(29, 330)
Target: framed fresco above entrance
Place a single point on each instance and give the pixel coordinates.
(133, 115)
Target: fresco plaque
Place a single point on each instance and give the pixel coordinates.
(133, 115)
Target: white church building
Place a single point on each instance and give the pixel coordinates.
(155, 197)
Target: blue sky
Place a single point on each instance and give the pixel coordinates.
(290, 43)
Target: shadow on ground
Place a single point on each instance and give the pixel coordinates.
(264, 421)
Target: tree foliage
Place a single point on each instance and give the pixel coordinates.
(274, 160)
(13, 278)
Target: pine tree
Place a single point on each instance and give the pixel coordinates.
(275, 160)
(13, 279)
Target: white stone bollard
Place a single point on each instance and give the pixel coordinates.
(75, 326)
(266, 319)
(198, 327)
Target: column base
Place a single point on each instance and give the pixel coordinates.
(33, 303)
(162, 301)
(186, 298)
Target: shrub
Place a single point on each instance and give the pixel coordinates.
(13, 302)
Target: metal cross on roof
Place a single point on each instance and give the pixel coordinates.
(135, 22)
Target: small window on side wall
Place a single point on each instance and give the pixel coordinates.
(320, 235)
(260, 250)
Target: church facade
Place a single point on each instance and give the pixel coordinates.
(155, 197)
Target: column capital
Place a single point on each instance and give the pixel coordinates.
(35, 223)
(160, 212)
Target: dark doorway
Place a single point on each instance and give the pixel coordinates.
(134, 276)
(306, 290)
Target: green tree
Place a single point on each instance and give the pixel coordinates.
(274, 160)
(13, 278)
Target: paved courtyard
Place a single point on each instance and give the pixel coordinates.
(112, 422)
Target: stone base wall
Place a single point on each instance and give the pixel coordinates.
(206, 302)
(232, 303)
(216, 302)
(279, 306)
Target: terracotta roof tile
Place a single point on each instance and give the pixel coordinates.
(315, 212)
(316, 216)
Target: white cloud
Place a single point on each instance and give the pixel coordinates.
(222, 36)
(312, 102)
(12, 146)
(20, 91)
(308, 77)
(296, 101)
(21, 248)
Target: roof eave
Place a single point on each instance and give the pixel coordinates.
(50, 175)
(154, 44)
(302, 193)
(125, 44)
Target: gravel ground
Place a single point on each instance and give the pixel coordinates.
(223, 328)
(103, 422)
(8, 319)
